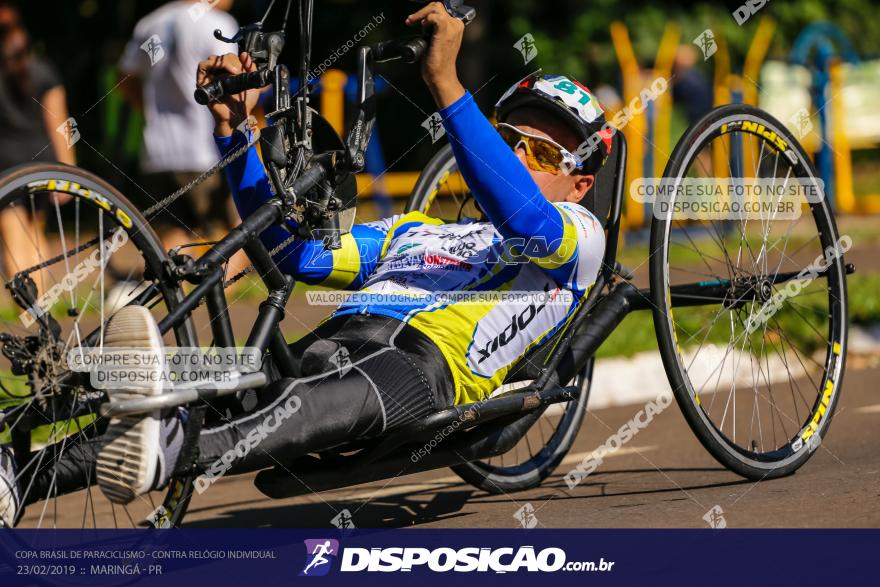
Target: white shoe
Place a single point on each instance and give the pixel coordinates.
(10, 490)
(122, 293)
(141, 450)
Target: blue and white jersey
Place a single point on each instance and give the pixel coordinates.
(484, 292)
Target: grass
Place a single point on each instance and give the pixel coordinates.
(40, 435)
(864, 303)
(242, 291)
(683, 255)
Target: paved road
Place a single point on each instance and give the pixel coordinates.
(662, 478)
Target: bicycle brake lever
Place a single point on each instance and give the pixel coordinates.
(457, 9)
(238, 36)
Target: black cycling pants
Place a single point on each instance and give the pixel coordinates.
(361, 375)
(354, 385)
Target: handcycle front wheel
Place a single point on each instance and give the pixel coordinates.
(441, 192)
(750, 312)
(47, 416)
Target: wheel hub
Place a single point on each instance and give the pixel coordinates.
(764, 291)
(751, 289)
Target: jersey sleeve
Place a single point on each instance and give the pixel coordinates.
(44, 76)
(347, 267)
(351, 265)
(362, 249)
(307, 260)
(134, 60)
(576, 260)
(563, 238)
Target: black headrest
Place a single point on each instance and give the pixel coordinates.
(598, 200)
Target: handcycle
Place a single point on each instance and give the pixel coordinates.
(715, 276)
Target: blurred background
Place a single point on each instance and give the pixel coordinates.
(602, 43)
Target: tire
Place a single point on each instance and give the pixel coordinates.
(739, 136)
(521, 471)
(95, 205)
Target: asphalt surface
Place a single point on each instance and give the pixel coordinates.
(662, 478)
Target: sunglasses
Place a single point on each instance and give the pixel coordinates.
(542, 154)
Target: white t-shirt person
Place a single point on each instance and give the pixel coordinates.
(164, 52)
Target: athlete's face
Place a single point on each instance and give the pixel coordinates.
(559, 187)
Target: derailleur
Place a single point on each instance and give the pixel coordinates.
(24, 292)
(39, 356)
(21, 351)
(41, 361)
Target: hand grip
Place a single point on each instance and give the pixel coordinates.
(407, 50)
(233, 84)
(414, 49)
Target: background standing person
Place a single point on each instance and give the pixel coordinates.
(690, 87)
(158, 74)
(33, 105)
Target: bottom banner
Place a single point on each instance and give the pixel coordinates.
(594, 557)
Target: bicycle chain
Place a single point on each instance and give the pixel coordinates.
(250, 268)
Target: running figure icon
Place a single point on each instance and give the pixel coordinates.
(319, 555)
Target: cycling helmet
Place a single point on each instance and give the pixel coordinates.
(570, 100)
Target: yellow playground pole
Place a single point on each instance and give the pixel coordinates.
(721, 60)
(633, 214)
(721, 81)
(636, 130)
(333, 98)
(843, 184)
(750, 84)
(755, 58)
(663, 104)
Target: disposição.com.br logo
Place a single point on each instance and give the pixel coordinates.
(320, 554)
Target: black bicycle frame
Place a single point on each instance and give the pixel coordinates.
(207, 271)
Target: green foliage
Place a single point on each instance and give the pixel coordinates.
(567, 32)
(864, 303)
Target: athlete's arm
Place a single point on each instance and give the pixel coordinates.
(307, 260)
(499, 182)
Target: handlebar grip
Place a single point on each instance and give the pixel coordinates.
(408, 50)
(414, 49)
(231, 85)
(207, 93)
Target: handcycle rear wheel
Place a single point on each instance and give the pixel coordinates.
(758, 373)
(441, 192)
(83, 304)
